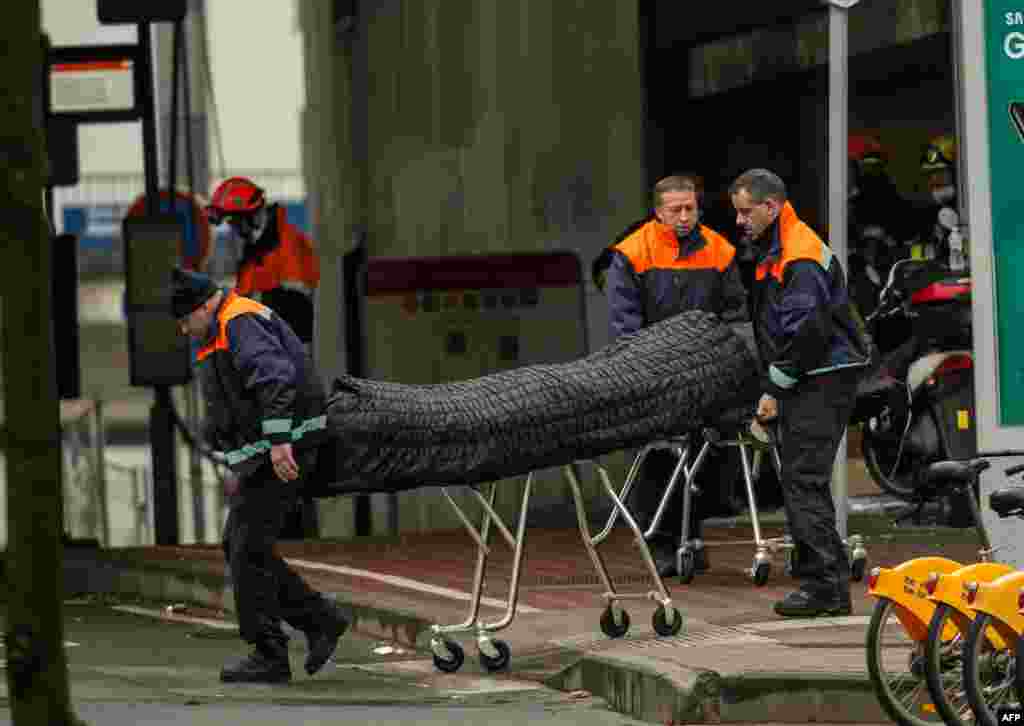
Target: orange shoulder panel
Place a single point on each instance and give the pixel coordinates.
(234, 306)
(638, 247)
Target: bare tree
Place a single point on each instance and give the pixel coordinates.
(37, 674)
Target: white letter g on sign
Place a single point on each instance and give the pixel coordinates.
(1014, 45)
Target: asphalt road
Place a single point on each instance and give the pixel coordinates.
(129, 669)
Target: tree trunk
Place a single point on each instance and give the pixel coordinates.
(37, 674)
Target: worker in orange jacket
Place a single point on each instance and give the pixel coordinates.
(279, 265)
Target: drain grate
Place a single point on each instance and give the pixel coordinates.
(700, 635)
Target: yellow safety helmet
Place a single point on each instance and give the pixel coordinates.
(939, 154)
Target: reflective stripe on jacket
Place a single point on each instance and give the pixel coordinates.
(803, 319)
(652, 277)
(260, 384)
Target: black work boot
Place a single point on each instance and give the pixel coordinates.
(663, 551)
(804, 603)
(701, 561)
(268, 663)
(323, 640)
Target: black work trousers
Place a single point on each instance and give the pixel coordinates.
(812, 419)
(266, 589)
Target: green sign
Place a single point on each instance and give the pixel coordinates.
(1004, 49)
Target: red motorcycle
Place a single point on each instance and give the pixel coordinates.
(917, 407)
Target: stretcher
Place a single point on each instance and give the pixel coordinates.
(642, 390)
(691, 450)
(495, 654)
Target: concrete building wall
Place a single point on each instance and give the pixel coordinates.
(450, 127)
(495, 126)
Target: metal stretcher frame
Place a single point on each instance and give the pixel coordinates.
(691, 450)
(751, 451)
(495, 654)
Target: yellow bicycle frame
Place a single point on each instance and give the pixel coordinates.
(952, 589)
(904, 586)
(999, 599)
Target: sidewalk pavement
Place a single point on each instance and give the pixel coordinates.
(735, 660)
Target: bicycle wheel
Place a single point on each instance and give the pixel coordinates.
(943, 667)
(989, 673)
(896, 668)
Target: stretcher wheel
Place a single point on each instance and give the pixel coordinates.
(457, 659)
(687, 567)
(500, 662)
(660, 622)
(761, 573)
(612, 629)
(857, 568)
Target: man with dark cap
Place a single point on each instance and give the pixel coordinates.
(266, 412)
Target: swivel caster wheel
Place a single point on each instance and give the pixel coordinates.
(450, 665)
(687, 567)
(612, 629)
(499, 662)
(661, 625)
(857, 569)
(761, 573)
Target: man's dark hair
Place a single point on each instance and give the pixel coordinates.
(683, 182)
(760, 184)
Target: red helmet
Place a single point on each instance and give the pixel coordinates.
(866, 151)
(236, 195)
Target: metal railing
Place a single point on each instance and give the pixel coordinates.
(89, 474)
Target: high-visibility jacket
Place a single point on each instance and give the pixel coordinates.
(282, 270)
(652, 277)
(260, 384)
(804, 322)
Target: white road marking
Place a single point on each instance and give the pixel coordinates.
(163, 615)
(771, 626)
(408, 584)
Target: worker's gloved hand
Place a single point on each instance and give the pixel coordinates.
(765, 415)
(767, 409)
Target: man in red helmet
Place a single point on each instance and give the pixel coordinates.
(278, 266)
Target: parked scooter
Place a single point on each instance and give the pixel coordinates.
(917, 406)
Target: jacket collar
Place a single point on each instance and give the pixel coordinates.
(686, 246)
(214, 330)
(772, 248)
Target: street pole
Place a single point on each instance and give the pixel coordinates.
(181, 49)
(838, 130)
(37, 675)
(161, 421)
